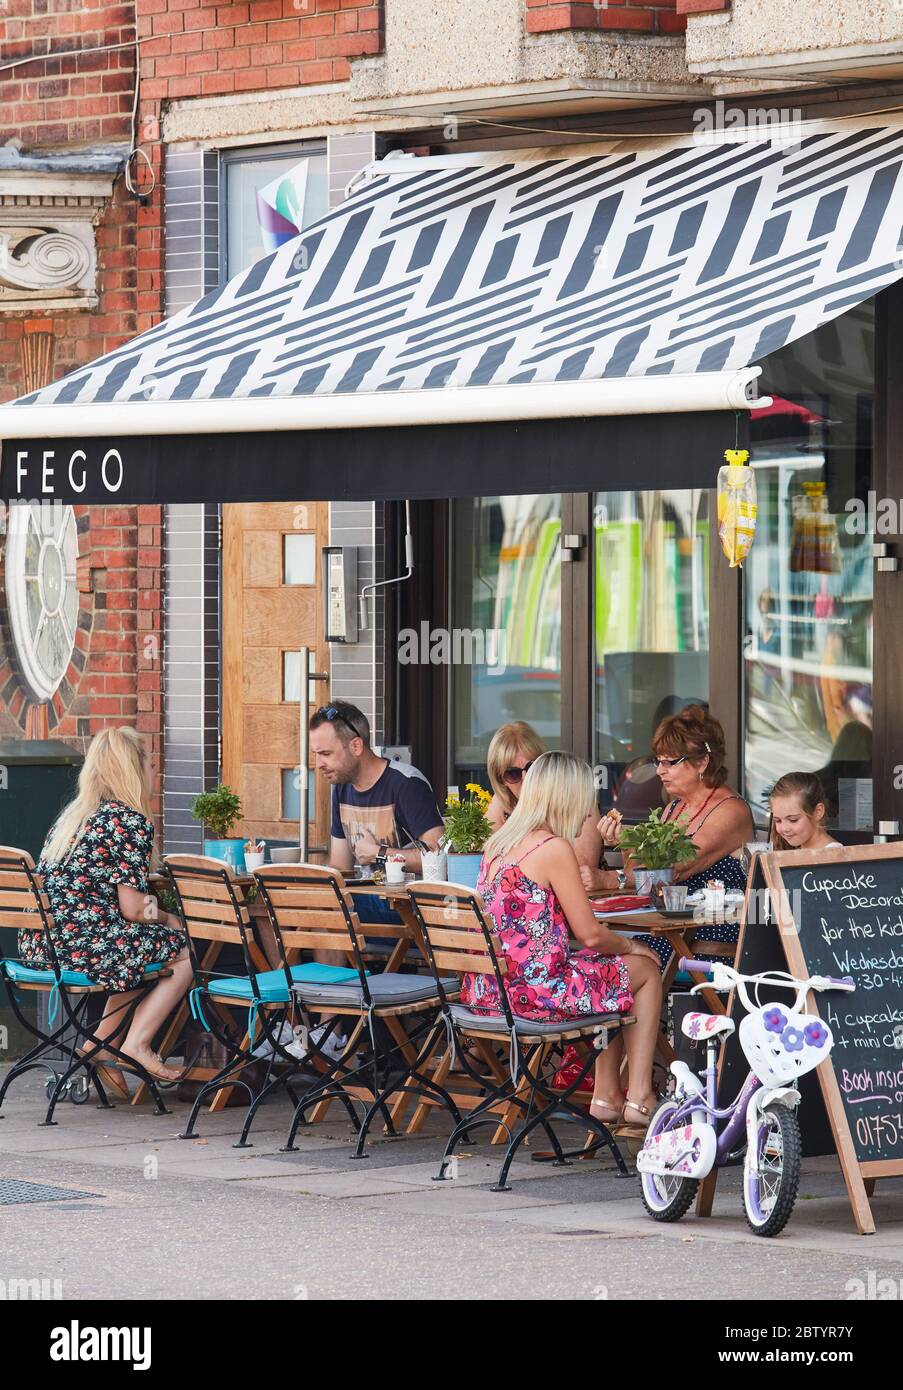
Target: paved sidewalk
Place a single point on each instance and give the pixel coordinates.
(168, 1218)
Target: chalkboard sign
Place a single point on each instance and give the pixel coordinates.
(850, 922)
(835, 912)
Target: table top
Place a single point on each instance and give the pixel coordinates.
(383, 890)
(650, 921)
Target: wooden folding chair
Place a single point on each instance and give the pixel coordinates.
(25, 908)
(215, 915)
(461, 940)
(311, 910)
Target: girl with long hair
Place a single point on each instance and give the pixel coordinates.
(799, 810)
(106, 923)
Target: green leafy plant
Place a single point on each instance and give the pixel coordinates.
(466, 826)
(219, 810)
(658, 844)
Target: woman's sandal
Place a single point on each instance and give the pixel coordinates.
(634, 1131)
(161, 1073)
(616, 1111)
(106, 1075)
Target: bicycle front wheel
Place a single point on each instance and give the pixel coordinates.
(665, 1198)
(770, 1194)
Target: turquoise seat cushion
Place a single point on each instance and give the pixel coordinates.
(20, 973)
(271, 983)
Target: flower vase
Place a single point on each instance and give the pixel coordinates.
(464, 869)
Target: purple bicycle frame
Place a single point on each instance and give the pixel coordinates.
(735, 1113)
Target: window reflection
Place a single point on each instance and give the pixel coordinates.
(808, 579)
(506, 619)
(651, 630)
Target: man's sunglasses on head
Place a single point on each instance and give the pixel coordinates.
(333, 714)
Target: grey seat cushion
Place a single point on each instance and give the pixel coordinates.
(384, 990)
(495, 1023)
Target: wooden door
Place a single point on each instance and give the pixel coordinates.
(272, 606)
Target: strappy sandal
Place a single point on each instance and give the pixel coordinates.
(166, 1076)
(634, 1131)
(106, 1075)
(617, 1113)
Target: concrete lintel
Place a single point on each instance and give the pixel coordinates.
(808, 62)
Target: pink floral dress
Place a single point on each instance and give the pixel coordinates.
(546, 980)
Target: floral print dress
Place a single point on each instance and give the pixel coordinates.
(89, 932)
(546, 980)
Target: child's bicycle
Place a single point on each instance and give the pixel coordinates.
(688, 1135)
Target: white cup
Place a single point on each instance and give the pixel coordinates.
(254, 861)
(394, 869)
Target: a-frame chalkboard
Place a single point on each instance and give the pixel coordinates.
(835, 912)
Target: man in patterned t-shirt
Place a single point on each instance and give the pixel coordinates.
(377, 805)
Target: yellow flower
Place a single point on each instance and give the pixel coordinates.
(453, 801)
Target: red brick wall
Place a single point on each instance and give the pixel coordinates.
(643, 16)
(702, 6)
(66, 100)
(116, 672)
(76, 98)
(64, 96)
(192, 48)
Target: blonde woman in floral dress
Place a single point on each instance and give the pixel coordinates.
(530, 882)
(106, 923)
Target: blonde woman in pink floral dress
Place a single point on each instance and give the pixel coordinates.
(530, 882)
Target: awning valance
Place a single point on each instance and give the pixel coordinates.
(632, 278)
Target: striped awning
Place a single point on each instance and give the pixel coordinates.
(634, 260)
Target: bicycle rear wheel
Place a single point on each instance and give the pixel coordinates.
(665, 1198)
(769, 1195)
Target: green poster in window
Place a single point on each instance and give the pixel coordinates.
(619, 585)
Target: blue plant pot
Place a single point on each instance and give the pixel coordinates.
(464, 869)
(231, 851)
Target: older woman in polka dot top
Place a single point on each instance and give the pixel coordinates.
(690, 760)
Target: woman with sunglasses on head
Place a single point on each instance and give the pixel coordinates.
(689, 756)
(512, 752)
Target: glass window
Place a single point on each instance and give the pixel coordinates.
(299, 558)
(291, 680)
(505, 643)
(269, 198)
(291, 795)
(808, 578)
(650, 631)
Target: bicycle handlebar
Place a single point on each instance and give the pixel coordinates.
(708, 968)
(696, 967)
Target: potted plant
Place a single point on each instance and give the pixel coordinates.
(466, 832)
(656, 847)
(219, 810)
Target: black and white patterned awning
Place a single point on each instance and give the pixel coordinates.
(554, 285)
(438, 273)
